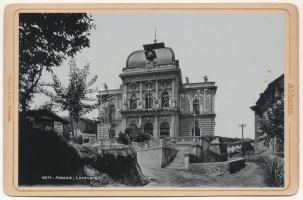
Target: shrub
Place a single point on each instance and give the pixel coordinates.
(123, 138)
(142, 137)
(80, 139)
(43, 153)
(274, 168)
(133, 135)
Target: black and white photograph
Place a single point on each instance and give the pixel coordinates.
(151, 99)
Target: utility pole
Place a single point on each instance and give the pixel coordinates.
(242, 127)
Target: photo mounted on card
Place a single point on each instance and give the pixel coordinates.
(150, 99)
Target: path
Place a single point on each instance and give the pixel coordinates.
(253, 175)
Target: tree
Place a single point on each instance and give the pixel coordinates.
(272, 124)
(76, 98)
(49, 106)
(45, 41)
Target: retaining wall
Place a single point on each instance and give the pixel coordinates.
(156, 157)
(231, 166)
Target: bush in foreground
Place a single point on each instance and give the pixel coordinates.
(274, 168)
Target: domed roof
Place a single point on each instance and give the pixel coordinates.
(156, 52)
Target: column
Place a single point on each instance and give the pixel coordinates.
(204, 100)
(177, 126)
(201, 104)
(124, 97)
(123, 124)
(140, 122)
(173, 89)
(156, 130)
(156, 95)
(172, 93)
(140, 89)
(190, 99)
(172, 126)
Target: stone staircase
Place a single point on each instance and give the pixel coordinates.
(178, 161)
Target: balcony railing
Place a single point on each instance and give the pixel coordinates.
(152, 143)
(184, 139)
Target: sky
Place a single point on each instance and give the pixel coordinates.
(241, 52)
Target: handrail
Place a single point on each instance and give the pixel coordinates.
(153, 142)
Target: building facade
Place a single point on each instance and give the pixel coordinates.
(153, 98)
(267, 100)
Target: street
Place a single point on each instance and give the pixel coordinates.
(253, 175)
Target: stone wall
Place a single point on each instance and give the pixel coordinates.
(168, 155)
(231, 166)
(156, 157)
(204, 167)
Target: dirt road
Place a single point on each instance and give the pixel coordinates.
(253, 175)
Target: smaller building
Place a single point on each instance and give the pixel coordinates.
(236, 147)
(47, 121)
(263, 106)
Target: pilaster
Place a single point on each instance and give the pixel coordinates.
(157, 89)
(172, 127)
(156, 128)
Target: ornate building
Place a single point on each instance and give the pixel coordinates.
(153, 97)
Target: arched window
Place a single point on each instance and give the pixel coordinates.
(164, 129)
(148, 128)
(148, 100)
(196, 106)
(133, 102)
(196, 131)
(165, 99)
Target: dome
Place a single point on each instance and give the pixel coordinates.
(156, 52)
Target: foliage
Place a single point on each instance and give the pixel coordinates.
(274, 168)
(43, 153)
(49, 106)
(121, 165)
(75, 98)
(45, 41)
(123, 138)
(80, 139)
(247, 146)
(133, 134)
(272, 124)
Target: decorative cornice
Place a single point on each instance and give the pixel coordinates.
(198, 116)
(149, 112)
